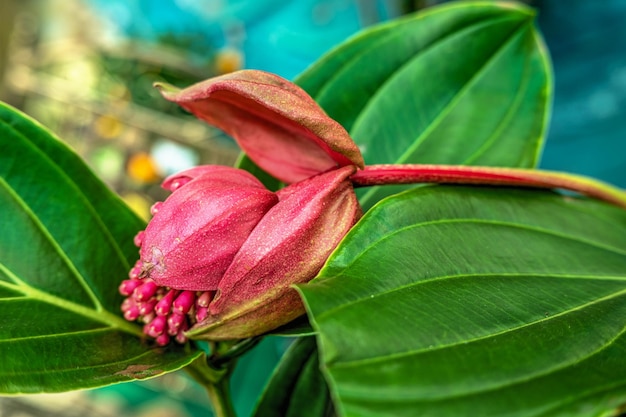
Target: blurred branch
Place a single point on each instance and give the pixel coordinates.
(188, 132)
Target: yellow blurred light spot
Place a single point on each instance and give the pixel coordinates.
(108, 126)
(228, 60)
(139, 204)
(141, 168)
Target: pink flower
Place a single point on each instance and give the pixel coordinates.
(219, 257)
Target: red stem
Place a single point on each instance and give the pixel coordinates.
(458, 174)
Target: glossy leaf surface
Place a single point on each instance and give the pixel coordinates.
(467, 83)
(297, 387)
(67, 242)
(466, 301)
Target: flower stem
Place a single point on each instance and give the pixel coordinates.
(219, 394)
(234, 351)
(459, 174)
(216, 381)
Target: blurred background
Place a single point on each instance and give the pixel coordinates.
(85, 69)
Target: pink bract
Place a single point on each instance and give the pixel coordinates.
(279, 126)
(194, 236)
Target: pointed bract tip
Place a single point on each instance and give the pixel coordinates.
(166, 90)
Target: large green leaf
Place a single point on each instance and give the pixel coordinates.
(297, 387)
(466, 83)
(469, 301)
(65, 245)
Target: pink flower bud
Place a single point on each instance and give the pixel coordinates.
(288, 246)
(194, 236)
(225, 252)
(184, 302)
(145, 290)
(138, 239)
(164, 306)
(128, 286)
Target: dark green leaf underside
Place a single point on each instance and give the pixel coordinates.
(66, 245)
(476, 301)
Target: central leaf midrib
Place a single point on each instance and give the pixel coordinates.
(504, 121)
(87, 203)
(100, 316)
(132, 360)
(53, 242)
(54, 335)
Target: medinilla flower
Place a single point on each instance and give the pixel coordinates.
(221, 253)
(220, 256)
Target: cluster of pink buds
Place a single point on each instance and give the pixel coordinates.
(220, 254)
(166, 312)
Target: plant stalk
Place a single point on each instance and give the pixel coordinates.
(219, 395)
(459, 174)
(216, 381)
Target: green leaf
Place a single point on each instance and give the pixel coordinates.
(466, 83)
(66, 244)
(297, 387)
(469, 301)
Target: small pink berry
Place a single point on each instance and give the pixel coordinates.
(205, 299)
(155, 207)
(183, 303)
(164, 306)
(138, 239)
(201, 313)
(147, 307)
(127, 286)
(162, 339)
(174, 323)
(181, 338)
(148, 317)
(134, 272)
(145, 290)
(156, 326)
(132, 313)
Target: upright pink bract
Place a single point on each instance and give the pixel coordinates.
(198, 230)
(288, 246)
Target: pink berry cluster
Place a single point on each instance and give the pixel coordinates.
(167, 313)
